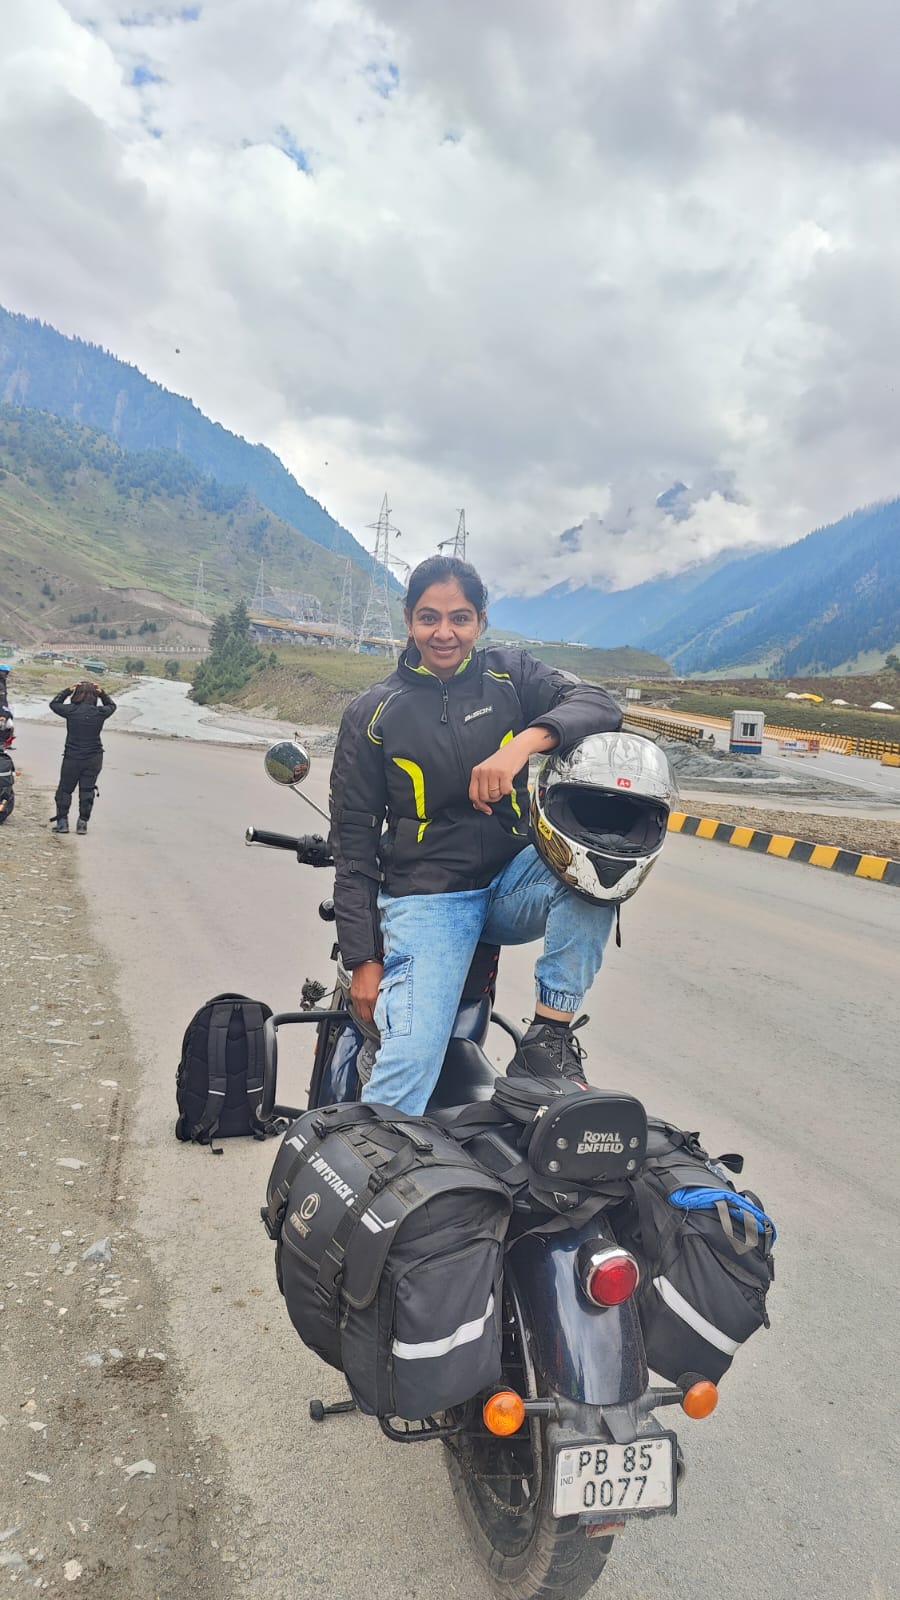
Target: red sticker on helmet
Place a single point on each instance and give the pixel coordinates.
(623, 783)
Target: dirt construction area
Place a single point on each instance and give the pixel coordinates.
(104, 1489)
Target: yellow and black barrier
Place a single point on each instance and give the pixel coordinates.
(641, 720)
(849, 862)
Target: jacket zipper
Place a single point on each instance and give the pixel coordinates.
(464, 771)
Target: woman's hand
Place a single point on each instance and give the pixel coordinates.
(494, 778)
(365, 981)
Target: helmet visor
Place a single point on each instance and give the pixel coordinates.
(612, 823)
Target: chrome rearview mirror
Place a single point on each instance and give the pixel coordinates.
(287, 763)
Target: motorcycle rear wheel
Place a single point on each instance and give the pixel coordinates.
(503, 1489)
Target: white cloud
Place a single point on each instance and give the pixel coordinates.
(538, 260)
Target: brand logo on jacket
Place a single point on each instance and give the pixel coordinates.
(600, 1144)
(309, 1207)
(483, 712)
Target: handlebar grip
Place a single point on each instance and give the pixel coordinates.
(278, 841)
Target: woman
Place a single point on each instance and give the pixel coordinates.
(83, 752)
(440, 749)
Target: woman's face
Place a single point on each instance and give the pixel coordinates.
(444, 626)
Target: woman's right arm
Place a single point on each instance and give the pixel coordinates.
(58, 703)
(358, 806)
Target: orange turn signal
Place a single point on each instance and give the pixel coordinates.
(700, 1400)
(504, 1413)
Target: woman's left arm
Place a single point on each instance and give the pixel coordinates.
(563, 704)
(560, 711)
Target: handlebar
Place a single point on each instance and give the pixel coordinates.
(310, 849)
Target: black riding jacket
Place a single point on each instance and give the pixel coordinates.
(83, 723)
(405, 752)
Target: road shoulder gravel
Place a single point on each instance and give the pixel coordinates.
(105, 1486)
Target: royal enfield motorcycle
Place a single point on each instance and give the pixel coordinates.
(556, 1461)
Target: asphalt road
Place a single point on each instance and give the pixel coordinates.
(755, 999)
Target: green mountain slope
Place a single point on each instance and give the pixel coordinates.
(84, 524)
(44, 370)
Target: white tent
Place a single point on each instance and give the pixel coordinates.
(880, 705)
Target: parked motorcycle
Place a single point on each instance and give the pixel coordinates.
(7, 765)
(550, 1466)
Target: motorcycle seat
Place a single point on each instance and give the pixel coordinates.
(467, 1075)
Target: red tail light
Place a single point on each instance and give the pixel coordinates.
(610, 1276)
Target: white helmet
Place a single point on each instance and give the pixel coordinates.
(599, 814)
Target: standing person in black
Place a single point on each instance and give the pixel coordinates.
(83, 753)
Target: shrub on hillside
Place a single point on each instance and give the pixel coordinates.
(232, 660)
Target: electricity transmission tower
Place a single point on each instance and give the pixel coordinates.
(343, 634)
(258, 602)
(199, 596)
(457, 545)
(376, 622)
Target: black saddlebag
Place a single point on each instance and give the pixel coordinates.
(389, 1243)
(705, 1253)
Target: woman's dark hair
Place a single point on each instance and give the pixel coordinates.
(443, 569)
(84, 691)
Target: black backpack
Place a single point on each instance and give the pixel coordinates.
(219, 1081)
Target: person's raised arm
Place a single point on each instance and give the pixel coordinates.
(58, 703)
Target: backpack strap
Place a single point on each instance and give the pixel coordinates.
(254, 1016)
(204, 1131)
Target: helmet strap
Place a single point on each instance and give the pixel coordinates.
(618, 925)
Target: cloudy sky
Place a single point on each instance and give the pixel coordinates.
(538, 258)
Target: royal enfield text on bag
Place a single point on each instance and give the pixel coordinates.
(389, 1243)
(705, 1252)
(219, 1081)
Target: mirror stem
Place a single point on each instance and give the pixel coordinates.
(314, 806)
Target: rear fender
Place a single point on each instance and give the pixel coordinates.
(585, 1352)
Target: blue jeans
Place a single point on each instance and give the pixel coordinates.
(429, 941)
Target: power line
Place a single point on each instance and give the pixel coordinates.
(458, 542)
(343, 633)
(376, 623)
(199, 596)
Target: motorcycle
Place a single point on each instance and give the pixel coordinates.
(7, 765)
(547, 1469)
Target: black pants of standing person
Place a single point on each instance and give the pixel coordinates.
(81, 773)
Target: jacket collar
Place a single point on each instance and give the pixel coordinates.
(411, 669)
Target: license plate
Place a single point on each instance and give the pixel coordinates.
(615, 1477)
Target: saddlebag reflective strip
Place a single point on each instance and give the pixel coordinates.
(466, 1333)
(683, 1309)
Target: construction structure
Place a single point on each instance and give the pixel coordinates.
(457, 545)
(376, 630)
(344, 634)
